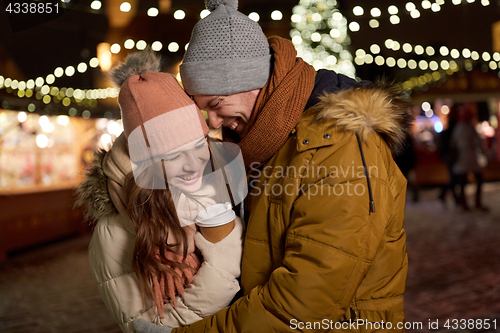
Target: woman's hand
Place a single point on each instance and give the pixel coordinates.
(143, 326)
(225, 254)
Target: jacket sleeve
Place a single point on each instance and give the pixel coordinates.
(110, 255)
(330, 244)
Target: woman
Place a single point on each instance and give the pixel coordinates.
(469, 148)
(145, 194)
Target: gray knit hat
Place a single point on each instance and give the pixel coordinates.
(228, 53)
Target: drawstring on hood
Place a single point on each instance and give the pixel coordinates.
(372, 204)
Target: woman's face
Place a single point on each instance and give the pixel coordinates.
(184, 165)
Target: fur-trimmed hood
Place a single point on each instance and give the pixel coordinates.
(92, 193)
(101, 193)
(376, 108)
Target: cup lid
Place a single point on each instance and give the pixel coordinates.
(216, 215)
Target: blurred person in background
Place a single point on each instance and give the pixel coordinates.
(144, 249)
(468, 146)
(406, 160)
(449, 154)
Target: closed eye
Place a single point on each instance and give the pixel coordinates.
(172, 158)
(216, 104)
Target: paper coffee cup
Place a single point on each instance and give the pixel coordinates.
(215, 215)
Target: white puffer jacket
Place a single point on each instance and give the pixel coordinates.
(111, 251)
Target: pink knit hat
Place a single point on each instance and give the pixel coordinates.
(158, 116)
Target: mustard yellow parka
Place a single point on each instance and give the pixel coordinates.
(315, 256)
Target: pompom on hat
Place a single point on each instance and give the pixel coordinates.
(213, 4)
(228, 53)
(158, 116)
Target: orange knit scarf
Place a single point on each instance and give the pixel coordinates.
(279, 105)
(169, 285)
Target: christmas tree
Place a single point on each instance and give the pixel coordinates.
(320, 36)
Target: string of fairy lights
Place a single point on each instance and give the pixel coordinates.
(319, 33)
(43, 89)
(440, 69)
(410, 9)
(363, 57)
(180, 14)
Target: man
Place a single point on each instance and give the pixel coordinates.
(325, 247)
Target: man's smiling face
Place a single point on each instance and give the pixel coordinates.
(231, 111)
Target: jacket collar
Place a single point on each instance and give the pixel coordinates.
(328, 82)
(313, 134)
(374, 108)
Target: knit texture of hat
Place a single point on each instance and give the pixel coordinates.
(158, 116)
(228, 53)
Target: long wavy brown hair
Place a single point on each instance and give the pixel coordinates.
(153, 214)
(154, 217)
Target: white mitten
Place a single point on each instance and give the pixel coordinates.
(188, 208)
(226, 254)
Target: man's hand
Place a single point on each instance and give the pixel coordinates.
(143, 326)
